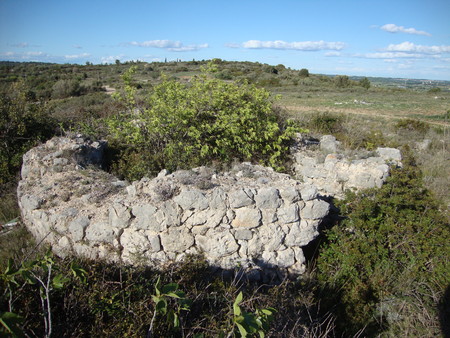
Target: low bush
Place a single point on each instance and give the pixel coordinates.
(387, 262)
(326, 123)
(412, 125)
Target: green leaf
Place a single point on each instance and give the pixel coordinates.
(161, 306)
(28, 276)
(78, 272)
(172, 287)
(157, 286)
(242, 330)
(173, 295)
(59, 280)
(10, 322)
(237, 301)
(176, 320)
(10, 270)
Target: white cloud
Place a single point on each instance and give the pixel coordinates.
(77, 56)
(409, 47)
(392, 28)
(77, 46)
(27, 56)
(389, 55)
(332, 54)
(172, 46)
(112, 58)
(20, 45)
(301, 45)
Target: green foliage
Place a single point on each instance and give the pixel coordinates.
(191, 125)
(39, 272)
(326, 123)
(342, 81)
(390, 253)
(248, 323)
(304, 72)
(163, 295)
(365, 83)
(22, 125)
(434, 90)
(10, 325)
(66, 88)
(412, 125)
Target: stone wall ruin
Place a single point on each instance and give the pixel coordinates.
(249, 217)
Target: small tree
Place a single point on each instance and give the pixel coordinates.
(342, 81)
(365, 83)
(304, 72)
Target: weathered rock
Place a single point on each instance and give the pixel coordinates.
(250, 217)
(247, 218)
(329, 144)
(335, 173)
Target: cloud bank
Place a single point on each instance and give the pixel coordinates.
(392, 28)
(409, 47)
(172, 46)
(283, 45)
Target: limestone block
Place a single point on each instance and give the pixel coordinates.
(247, 217)
(268, 198)
(218, 199)
(191, 199)
(290, 194)
(176, 239)
(99, 232)
(240, 198)
(301, 234)
(119, 216)
(328, 144)
(146, 217)
(30, 202)
(308, 192)
(315, 209)
(217, 243)
(243, 234)
(289, 214)
(285, 258)
(390, 154)
(77, 228)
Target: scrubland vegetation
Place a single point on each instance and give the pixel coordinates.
(381, 267)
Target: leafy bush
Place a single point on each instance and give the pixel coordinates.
(412, 125)
(326, 123)
(191, 125)
(22, 125)
(387, 263)
(304, 72)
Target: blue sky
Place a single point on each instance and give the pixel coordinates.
(408, 39)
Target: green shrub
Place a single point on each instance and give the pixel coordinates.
(304, 72)
(387, 262)
(191, 125)
(22, 125)
(412, 125)
(326, 123)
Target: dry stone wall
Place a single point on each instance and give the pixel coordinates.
(250, 217)
(324, 165)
